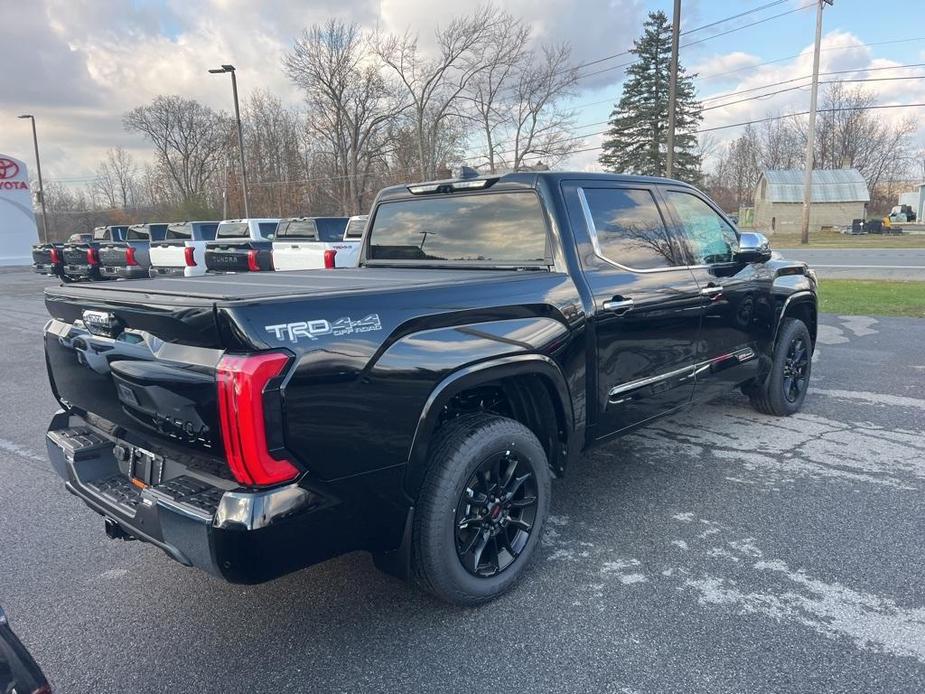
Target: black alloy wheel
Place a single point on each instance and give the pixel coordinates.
(496, 514)
(795, 370)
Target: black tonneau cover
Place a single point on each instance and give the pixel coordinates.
(251, 286)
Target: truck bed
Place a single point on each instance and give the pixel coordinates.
(252, 286)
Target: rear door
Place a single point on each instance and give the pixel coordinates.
(734, 303)
(646, 316)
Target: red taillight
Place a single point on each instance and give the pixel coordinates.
(55, 256)
(329, 258)
(189, 253)
(130, 256)
(241, 382)
(252, 261)
(92, 257)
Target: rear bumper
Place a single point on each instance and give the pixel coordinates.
(161, 271)
(132, 272)
(47, 269)
(240, 535)
(81, 270)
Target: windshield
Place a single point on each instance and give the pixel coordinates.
(500, 228)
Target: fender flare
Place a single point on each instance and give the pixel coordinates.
(802, 296)
(474, 375)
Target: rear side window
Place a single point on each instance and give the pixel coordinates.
(179, 231)
(232, 230)
(629, 230)
(206, 231)
(708, 236)
(101, 234)
(267, 229)
(355, 228)
(137, 234)
(499, 228)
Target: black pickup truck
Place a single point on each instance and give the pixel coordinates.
(81, 259)
(418, 405)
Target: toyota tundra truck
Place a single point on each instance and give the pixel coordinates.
(242, 245)
(80, 260)
(182, 252)
(417, 406)
(130, 259)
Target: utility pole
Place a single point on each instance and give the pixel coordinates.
(38, 166)
(811, 133)
(673, 85)
(237, 115)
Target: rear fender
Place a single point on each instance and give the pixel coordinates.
(476, 375)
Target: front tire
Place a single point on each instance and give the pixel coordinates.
(784, 389)
(481, 509)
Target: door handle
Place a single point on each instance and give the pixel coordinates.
(619, 305)
(711, 291)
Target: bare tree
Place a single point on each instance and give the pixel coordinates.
(350, 104)
(116, 178)
(190, 140)
(539, 126)
(490, 90)
(435, 85)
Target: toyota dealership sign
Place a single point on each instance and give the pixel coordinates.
(17, 221)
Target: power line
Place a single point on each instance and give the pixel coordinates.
(806, 77)
(804, 86)
(735, 16)
(791, 57)
(693, 43)
(804, 113)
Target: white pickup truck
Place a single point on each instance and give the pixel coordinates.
(242, 245)
(305, 243)
(182, 251)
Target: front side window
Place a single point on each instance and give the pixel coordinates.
(498, 228)
(629, 229)
(709, 238)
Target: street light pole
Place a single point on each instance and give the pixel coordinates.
(811, 131)
(237, 115)
(38, 166)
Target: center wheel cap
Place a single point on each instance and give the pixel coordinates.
(495, 512)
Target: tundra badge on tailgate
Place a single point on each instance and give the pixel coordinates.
(314, 329)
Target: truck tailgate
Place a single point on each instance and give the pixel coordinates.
(238, 256)
(308, 254)
(169, 253)
(144, 367)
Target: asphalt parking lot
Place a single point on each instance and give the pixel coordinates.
(717, 551)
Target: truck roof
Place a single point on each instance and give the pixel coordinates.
(525, 180)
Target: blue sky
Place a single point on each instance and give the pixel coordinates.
(85, 62)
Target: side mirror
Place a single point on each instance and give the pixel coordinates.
(753, 248)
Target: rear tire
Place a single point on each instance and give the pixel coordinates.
(481, 509)
(784, 388)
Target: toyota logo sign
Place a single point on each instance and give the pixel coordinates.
(8, 169)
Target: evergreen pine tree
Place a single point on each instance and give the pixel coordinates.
(637, 139)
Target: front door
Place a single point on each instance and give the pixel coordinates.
(732, 294)
(647, 305)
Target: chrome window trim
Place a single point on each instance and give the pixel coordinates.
(596, 244)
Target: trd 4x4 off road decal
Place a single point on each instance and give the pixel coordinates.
(319, 327)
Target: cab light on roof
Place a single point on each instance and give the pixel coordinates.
(421, 190)
(470, 185)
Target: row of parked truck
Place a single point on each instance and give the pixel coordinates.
(189, 249)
